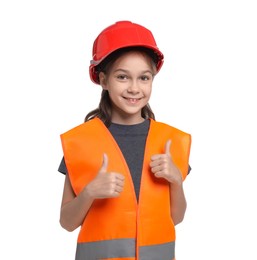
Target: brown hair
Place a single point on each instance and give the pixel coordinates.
(103, 111)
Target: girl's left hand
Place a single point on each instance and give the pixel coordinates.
(162, 166)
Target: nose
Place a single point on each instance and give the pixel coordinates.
(133, 87)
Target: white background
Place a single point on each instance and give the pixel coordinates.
(207, 87)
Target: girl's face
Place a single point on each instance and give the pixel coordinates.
(129, 83)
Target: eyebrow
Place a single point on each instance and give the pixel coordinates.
(126, 71)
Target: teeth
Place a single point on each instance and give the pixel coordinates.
(133, 100)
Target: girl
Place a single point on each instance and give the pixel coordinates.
(124, 170)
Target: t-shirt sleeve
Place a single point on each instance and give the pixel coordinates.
(62, 167)
(189, 169)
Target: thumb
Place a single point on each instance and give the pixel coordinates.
(167, 147)
(104, 166)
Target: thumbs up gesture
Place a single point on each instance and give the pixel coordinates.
(105, 184)
(162, 166)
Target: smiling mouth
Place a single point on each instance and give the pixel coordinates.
(132, 100)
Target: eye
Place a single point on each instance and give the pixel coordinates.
(145, 77)
(122, 77)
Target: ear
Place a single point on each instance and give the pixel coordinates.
(102, 80)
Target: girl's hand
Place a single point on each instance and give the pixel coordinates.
(162, 166)
(105, 184)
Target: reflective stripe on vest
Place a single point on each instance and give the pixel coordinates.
(123, 248)
(146, 224)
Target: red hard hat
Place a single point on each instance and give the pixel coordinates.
(119, 35)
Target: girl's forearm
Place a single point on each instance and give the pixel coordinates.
(178, 203)
(74, 211)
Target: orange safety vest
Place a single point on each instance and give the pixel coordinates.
(122, 228)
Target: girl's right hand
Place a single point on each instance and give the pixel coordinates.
(105, 184)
